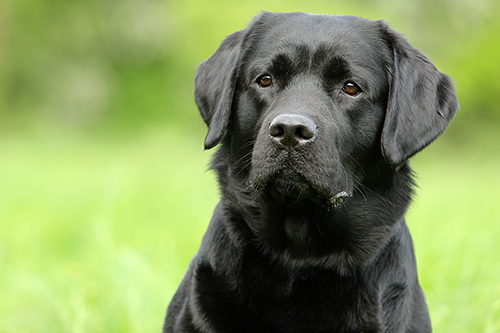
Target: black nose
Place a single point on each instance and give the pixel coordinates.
(292, 131)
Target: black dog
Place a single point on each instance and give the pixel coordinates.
(317, 116)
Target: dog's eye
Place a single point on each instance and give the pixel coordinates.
(265, 81)
(351, 88)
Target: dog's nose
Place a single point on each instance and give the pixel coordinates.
(292, 131)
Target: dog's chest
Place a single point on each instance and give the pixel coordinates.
(277, 301)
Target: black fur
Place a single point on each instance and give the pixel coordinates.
(312, 238)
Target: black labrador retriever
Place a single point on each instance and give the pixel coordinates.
(317, 116)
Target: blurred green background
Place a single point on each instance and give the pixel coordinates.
(104, 194)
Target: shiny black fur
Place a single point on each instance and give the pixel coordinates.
(312, 238)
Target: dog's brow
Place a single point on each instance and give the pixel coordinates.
(302, 58)
(281, 65)
(282, 68)
(321, 55)
(336, 69)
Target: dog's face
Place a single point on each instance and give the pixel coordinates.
(316, 107)
(317, 102)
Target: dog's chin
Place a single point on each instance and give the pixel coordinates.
(292, 188)
(290, 191)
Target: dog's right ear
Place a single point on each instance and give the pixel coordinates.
(215, 85)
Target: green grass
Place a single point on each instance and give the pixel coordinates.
(95, 234)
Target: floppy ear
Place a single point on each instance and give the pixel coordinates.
(420, 105)
(214, 87)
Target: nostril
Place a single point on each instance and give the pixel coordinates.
(277, 130)
(304, 133)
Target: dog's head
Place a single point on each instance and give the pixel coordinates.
(311, 105)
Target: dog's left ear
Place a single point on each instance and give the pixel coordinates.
(420, 105)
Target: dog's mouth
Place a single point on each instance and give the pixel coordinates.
(292, 188)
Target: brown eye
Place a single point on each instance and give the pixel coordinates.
(265, 81)
(351, 88)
